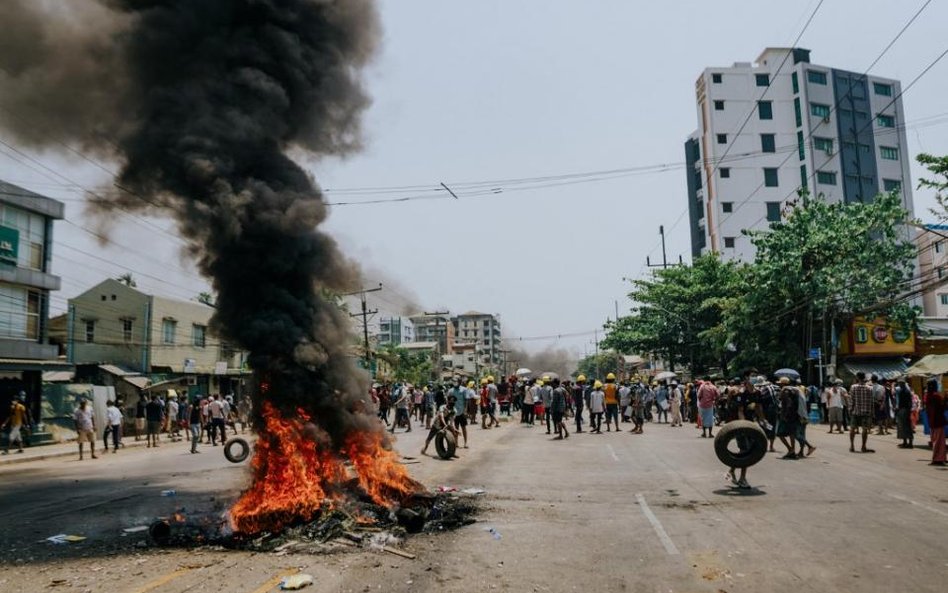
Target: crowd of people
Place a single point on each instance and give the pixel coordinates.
(780, 405)
(179, 419)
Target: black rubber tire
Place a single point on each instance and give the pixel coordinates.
(242, 455)
(445, 444)
(745, 429)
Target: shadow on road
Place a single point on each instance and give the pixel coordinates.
(737, 492)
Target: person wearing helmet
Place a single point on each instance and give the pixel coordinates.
(579, 394)
(558, 409)
(472, 399)
(546, 395)
(611, 391)
(596, 408)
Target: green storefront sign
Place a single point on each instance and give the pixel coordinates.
(9, 245)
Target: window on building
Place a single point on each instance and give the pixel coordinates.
(765, 109)
(941, 272)
(820, 110)
(939, 246)
(804, 183)
(487, 342)
(889, 153)
(729, 242)
(826, 177)
(770, 177)
(168, 329)
(943, 298)
(795, 83)
(816, 77)
(801, 146)
(716, 78)
(892, 184)
(725, 172)
(727, 207)
(885, 121)
(797, 111)
(127, 331)
(824, 144)
(90, 331)
(719, 105)
(722, 138)
(768, 143)
(19, 312)
(882, 89)
(762, 79)
(773, 211)
(198, 335)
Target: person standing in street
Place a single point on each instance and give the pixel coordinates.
(195, 421)
(456, 399)
(15, 422)
(140, 416)
(707, 397)
(661, 402)
(579, 393)
(114, 415)
(862, 408)
(558, 409)
(835, 399)
(788, 419)
(597, 405)
(903, 415)
(154, 418)
(402, 407)
(546, 395)
(492, 395)
(625, 402)
(215, 410)
(674, 404)
(935, 408)
(85, 427)
(443, 421)
(803, 419)
(639, 391)
(611, 397)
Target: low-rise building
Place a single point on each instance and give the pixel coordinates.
(483, 330)
(395, 331)
(435, 327)
(932, 248)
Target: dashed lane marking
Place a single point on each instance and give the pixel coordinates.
(657, 526)
(920, 505)
(612, 452)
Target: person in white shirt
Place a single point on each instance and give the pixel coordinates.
(114, 416)
(597, 405)
(172, 411)
(836, 397)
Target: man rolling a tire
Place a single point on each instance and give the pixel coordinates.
(443, 420)
(743, 406)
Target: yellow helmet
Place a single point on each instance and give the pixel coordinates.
(597, 385)
(581, 378)
(546, 378)
(539, 382)
(470, 383)
(484, 381)
(611, 377)
(490, 378)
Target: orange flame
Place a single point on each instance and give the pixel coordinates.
(293, 480)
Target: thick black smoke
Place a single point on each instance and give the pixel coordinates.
(200, 100)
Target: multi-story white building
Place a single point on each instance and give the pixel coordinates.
(482, 330)
(932, 243)
(396, 331)
(835, 133)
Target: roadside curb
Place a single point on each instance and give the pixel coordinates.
(14, 459)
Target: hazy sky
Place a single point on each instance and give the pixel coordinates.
(485, 91)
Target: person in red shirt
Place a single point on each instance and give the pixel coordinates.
(935, 408)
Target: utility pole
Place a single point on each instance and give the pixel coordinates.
(664, 264)
(597, 354)
(367, 356)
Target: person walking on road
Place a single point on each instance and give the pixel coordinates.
(639, 391)
(935, 408)
(862, 408)
(215, 410)
(661, 402)
(85, 427)
(835, 399)
(546, 394)
(903, 415)
(443, 420)
(402, 407)
(707, 397)
(558, 409)
(674, 404)
(803, 418)
(114, 415)
(788, 420)
(456, 399)
(15, 422)
(579, 394)
(597, 405)
(195, 418)
(611, 395)
(140, 417)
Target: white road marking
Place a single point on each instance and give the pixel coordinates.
(612, 452)
(918, 504)
(659, 530)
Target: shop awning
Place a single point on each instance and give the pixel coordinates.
(26, 364)
(933, 364)
(886, 368)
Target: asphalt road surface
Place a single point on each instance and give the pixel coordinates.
(610, 512)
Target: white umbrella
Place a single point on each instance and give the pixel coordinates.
(523, 372)
(665, 375)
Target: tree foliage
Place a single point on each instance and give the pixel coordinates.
(677, 313)
(598, 366)
(938, 166)
(413, 367)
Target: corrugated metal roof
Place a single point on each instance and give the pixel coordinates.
(115, 370)
(138, 381)
(887, 368)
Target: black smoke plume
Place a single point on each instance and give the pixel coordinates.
(200, 101)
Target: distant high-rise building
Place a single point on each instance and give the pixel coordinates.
(396, 331)
(836, 133)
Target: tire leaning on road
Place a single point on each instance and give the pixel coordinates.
(243, 450)
(745, 429)
(445, 444)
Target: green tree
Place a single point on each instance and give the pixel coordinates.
(938, 166)
(677, 314)
(206, 298)
(127, 280)
(413, 367)
(598, 366)
(815, 271)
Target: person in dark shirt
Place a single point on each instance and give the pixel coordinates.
(558, 409)
(140, 417)
(788, 420)
(154, 416)
(903, 414)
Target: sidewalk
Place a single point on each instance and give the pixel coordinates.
(67, 449)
